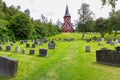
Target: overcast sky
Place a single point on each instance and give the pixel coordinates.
(55, 9)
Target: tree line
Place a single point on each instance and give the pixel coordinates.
(17, 24)
(87, 23)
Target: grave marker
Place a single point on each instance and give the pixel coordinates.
(27, 45)
(43, 52)
(24, 51)
(8, 66)
(87, 48)
(32, 52)
(33, 45)
(1, 48)
(17, 49)
(8, 48)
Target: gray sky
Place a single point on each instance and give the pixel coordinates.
(55, 9)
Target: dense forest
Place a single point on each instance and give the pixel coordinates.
(15, 24)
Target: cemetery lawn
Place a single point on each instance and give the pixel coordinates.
(68, 61)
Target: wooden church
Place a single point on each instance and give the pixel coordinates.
(67, 25)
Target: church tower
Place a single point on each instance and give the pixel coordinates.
(67, 25)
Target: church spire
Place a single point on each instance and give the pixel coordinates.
(67, 11)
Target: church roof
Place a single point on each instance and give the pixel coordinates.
(67, 11)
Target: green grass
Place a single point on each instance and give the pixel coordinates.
(68, 61)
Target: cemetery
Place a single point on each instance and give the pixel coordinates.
(75, 56)
(36, 45)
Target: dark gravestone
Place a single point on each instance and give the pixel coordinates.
(23, 51)
(51, 45)
(43, 52)
(118, 48)
(33, 45)
(32, 52)
(1, 48)
(108, 41)
(0, 42)
(14, 41)
(8, 48)
(21, 42)
(87, 48)
(11, 44)
(8, 66)
(52, 41)
(98, 40)
(36, 42)
(107, 56)
(118, 41)
(27, 45)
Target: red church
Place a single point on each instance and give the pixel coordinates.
(67, 25)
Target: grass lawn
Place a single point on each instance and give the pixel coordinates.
(68, 61)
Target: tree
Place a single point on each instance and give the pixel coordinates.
(110, 2)
(43, 19)
(27, 12)
(102, 26)
(85, 17)
(21, 25)
(115, 21)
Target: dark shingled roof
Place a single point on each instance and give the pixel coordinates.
(67, 11)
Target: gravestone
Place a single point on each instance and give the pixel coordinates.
(8, 41)
(4, 40)
(51, 45)
(36, 42)
(14, 41)
(41, 43)
(43, 52)
(102, 39)
(8, 66)
(27, 45)
(107, 56)
(8, 48)
(87, 48)
(23, 51)
(0, 42)
(108, 41)
(1, 48)
(116, 41)
(32, 52)
(11, 44)
(17, 49)
(112, 43)
(118, 48)
(21, 41)
(33, 45)
(52, 41)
